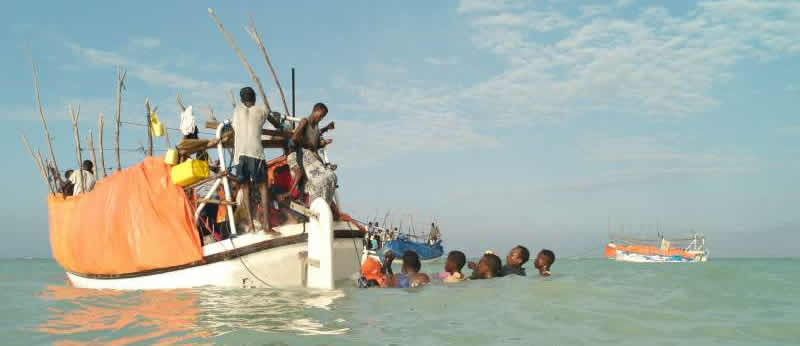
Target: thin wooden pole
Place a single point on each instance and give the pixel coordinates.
(47, 171)
(232, 42)
(120, 86)
(90, 141)
(79, 168)
(293, 114)
(44, 121)
(102, 150)
(38, 163)
(180, 102)
(149, 128)
(257, 37)
(233, 98)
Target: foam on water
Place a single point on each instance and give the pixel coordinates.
(588, 301)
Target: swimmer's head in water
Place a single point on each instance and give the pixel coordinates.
(489, 266)
(545, 259)
(455, 261)
(411, 262)
(518, 256)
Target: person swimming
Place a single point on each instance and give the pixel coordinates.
(452, 267)
(409, 276)
(543, 261)
(487, 268)
(518, 256)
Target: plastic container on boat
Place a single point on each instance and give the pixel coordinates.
(171, 157)
(156, 127)
(189, 172)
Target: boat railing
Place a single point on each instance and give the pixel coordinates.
(222, 179)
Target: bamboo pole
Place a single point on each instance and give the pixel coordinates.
(148, 121)
(44, 121)
(120, 86)
(257, 37)
(233, 99)
(180, 102)
(38, 163)
(47, 172)
(79, 167)
(232, 42)
(102, 150)
(90, 141)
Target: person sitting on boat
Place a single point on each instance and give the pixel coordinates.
(248, 152)
(67, 186)
(190, 143)
(518, 256)
(83, 179)
(488, 267)
(304, 161)
(452, 267)
(409, 276)
(543, 261)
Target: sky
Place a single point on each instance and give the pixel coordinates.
(543, 123)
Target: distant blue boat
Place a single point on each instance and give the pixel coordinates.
(425, 250)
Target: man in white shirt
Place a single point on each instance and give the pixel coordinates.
(248, 152)
(83, 179)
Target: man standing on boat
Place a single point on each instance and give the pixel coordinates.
(248, 152)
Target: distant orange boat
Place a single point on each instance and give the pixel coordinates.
(659, 250)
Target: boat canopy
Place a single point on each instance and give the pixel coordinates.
(132, 221)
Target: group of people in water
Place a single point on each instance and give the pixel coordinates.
(377, 274)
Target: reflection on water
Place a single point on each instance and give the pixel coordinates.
(82, 316)
(294, 311)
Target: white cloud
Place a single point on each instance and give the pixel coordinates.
(624, 3)
(648, 159)
(145, 43)
(653, 65)
(157, 75)
(451, 60)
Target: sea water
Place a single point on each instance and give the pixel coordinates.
(585, 302)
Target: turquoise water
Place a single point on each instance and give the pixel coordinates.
(586, 302)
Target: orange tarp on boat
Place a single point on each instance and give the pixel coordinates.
(133, 220)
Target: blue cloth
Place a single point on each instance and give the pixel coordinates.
(425, 251)
(403, 281)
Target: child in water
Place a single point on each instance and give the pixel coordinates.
(543, 261)
(488, 267)
(452, 267)
(516, 258)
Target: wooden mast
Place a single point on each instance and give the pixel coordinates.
(120, 86)
(44, 123)
(232, 42)
(90, 143)
(148, 122)
(257, 37)
(79, 168)
(102, 150)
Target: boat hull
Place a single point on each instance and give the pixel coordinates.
(282, 267)
(625, 256)
(251, 260)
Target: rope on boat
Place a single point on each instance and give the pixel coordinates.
(241, 259)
